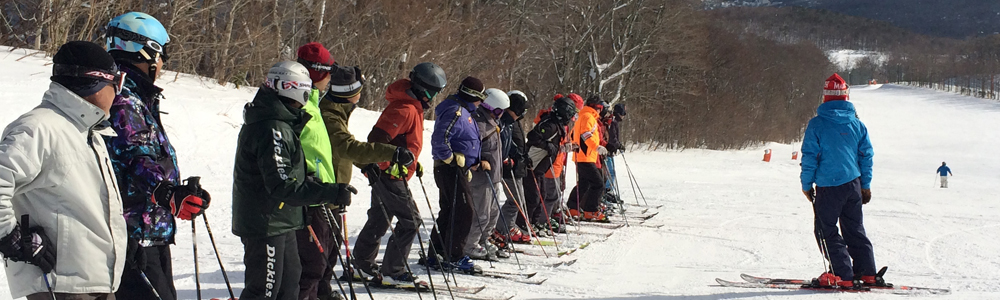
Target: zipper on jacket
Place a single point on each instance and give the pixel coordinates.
(104, 165)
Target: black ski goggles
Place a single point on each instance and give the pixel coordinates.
(114, 77)
(155, 49)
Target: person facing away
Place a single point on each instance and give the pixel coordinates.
(57, 193)
(944, 171)
(837, 158)
(270, 186)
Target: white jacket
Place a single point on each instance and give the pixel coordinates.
(54, 167)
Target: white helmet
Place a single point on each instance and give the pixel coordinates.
(291, 80)
(496, 99)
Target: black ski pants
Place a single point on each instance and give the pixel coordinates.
(314, 263)
(843, 203)
(272, 267)
(390, 198)
(590, 184)
(455, 218)
(158, 270)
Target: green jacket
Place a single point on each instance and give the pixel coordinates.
(316, 143)
(269, 175)
(346, 149)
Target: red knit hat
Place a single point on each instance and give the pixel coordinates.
(316, 59)
(577, 100)
(836, 89)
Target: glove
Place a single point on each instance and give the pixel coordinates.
(420, 170)
(485, 166)
(135, 258)
(344, 192)
(569, 147)
(866, 196)
(402, 156)
(371, 171)
(189, 202)
(31, 246)
(601, 150)
(456, 159)
(810, 194)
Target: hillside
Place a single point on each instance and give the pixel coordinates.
(953, 18)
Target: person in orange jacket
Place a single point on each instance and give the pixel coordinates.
(590, 182)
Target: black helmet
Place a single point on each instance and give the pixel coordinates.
(428, 77)
(563, 109)
(619, 109)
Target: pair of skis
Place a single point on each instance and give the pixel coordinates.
(751, 281)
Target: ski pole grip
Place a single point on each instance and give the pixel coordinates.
(194, 183)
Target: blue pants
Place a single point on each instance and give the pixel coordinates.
(609, 163)
(843, 203)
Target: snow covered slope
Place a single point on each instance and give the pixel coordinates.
(725, 212)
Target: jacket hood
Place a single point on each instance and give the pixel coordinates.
(839, 112)
(267, 106)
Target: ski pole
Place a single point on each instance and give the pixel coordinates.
(607, 172)
(144, 278)
(194, 247)
(531, 230)
(440, 236)
(388, 221)
(322, 252)
(496, 200)
(420, 240)
(827, 263)
(632, 176)
(26, 242)
(347, 262)
(482, 227)
(53, 294)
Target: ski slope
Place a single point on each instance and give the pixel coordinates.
(724, 213)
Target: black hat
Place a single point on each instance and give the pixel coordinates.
(345, 82)
(518, 102)
(472, 90)
(82, 55)
(619, 109)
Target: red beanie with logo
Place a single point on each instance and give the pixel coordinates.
(835, 89)
(316, 59)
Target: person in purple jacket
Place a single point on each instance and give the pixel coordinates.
(455, 147)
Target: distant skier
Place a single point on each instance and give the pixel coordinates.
(843, 178)
(944, 171)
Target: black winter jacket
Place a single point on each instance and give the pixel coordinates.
(269, 177)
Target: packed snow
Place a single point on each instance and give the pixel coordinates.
(846, 59)
(725, 212)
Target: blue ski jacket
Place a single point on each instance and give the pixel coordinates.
(944, 170)
(836, 149)
(455, 131)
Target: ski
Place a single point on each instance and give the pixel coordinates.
(766, 280)
(571, 250)
(605, 225)
(525, 275)
(462, 292)
(744, 284)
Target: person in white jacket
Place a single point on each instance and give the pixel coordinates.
(63, 234)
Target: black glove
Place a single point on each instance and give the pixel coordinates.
(344, 194)
(31, 246)
(135, 258)
(866, 196)
(810, 194)
(372, 172)
(402, 156)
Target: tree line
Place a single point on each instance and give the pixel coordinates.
(688, 80)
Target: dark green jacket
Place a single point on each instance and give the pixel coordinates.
(269, 176)
(346, 149)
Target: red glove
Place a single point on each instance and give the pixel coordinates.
(188, 205)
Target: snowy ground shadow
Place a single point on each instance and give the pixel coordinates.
(727, 295)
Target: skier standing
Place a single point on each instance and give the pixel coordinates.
(590, 182)
(944, 171)
(270, 184)
(837, 158)
(544, 147)
(614, 146)
(53, 162)
(144, 159)
(486, 178)
(455, 143)
(401, 124)
(515, 168)
(319, 162)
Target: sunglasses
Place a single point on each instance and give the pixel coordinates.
(113, 76)
(155, 47)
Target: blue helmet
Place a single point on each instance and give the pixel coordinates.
(136, 36)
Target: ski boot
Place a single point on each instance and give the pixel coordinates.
(598, 217)
(437, 262)
(465, 265)
(518, 236)
(478, 253)
(875, 280)
(828, 280)
(558, 227)
(541, 230)
(574, 214)
(404, 280)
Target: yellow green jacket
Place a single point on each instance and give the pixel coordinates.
(316, 143)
